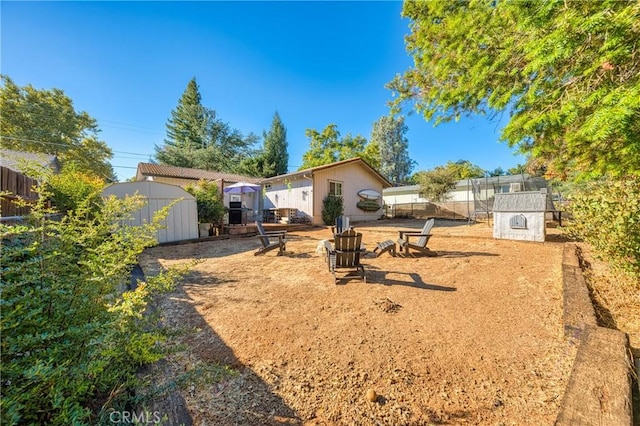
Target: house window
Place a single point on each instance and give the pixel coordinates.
(335, 188)
(503, 189)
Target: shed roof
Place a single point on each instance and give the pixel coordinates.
(149, 169)
(529, 201)
(14, 160)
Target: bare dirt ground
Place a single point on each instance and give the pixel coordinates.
(473, 336)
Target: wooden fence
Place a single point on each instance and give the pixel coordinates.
(18, 186)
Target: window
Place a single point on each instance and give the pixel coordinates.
(335, 188)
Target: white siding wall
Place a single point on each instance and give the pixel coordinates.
(535, 231)
(298, 195)
(182, 221)
(407, 198)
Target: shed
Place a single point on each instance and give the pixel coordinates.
(521, 215)
(182, 221)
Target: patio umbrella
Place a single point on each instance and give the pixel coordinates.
(242, 188)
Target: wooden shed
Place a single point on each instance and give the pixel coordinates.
(521, 215)
(182, 221)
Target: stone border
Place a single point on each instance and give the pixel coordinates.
(599, 389)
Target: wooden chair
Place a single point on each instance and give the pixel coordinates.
(342, 224)
(346, 254)
(404, 242)
(271, 240)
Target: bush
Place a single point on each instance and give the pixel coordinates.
(209, 202)
(606, 214)
(72, 189)
(331, 208)
(70, 334)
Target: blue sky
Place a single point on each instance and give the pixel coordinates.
(316, 63)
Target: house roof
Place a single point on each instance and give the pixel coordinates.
(528, 201)
(14, 160)
(312, 170)
(149, 169)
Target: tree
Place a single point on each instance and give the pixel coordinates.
(273, 158)
(498, 171)
(436, 184)
(45, 121)
(464, 169)
(389, 134)
(186, 129)
(517, 170)
(566, 71)
(327, 147)
(276, 157)
(197, 138)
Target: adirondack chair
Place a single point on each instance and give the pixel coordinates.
(342, 224)
(420, 245)
(346, 254)
(271, 240)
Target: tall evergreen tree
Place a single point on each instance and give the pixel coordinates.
(276, 157)
(389, 134)
(186, 129)
(197, 138)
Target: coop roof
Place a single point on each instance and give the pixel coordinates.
(530, 201)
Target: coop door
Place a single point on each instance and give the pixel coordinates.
(518, 222)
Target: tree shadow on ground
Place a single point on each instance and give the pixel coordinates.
(375, 276)
(235, 394)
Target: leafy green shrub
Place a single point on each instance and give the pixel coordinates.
(72, 189)
(606, 214)
(332, 207)
(70, 334)
(208, 200)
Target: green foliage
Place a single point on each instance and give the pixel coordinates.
(198, 138)
(566, 71)
(208, 200)
(389, 135)
(73, 190)
(606, 214)
(276, 158)
(332, 207)
(327, 147)
(71, 334)
(464, 169)
(45, 121)
(436, 184)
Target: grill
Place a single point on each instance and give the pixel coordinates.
(237, 215)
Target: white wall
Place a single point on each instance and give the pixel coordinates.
(182, 221)
(297, 195)
(535, 231)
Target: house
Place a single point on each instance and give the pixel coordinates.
(17, 181)
(521, 215)
(300, 194)
(183, 176)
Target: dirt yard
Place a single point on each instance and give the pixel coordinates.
(472, 336)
